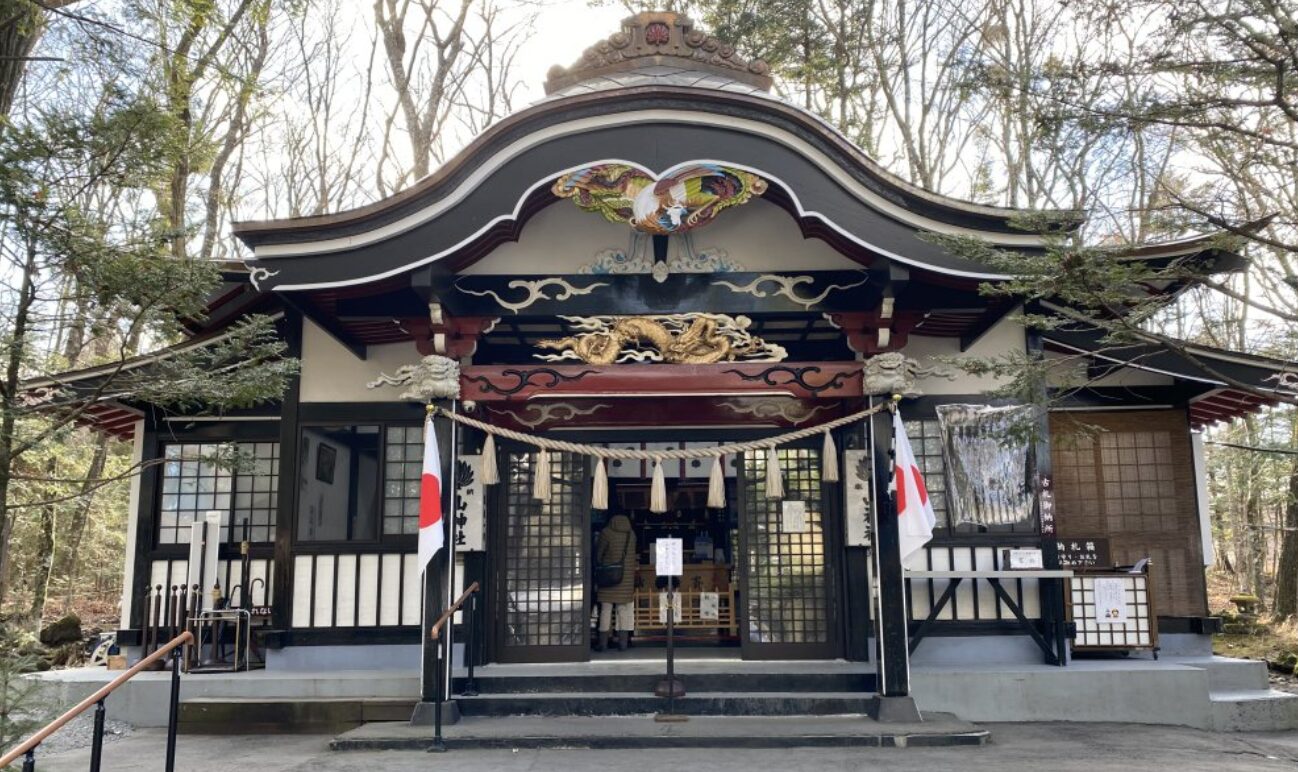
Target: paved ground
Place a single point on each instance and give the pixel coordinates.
(1058, 747)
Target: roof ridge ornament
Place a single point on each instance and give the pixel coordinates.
(660, 37)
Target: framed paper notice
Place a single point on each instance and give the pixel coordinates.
(709, 606)
(1110, 601)
(662, 608)
(668, 557)
(794, 516)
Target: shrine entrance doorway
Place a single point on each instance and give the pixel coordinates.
(761, 576)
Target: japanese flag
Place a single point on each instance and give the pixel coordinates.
(431, 537)
(915, 518)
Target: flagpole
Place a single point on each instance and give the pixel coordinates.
(448, 597)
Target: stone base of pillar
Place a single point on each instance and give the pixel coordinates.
(896, 710)
(426, 713)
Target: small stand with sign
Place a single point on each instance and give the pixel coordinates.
(669, 559)
(1113, 611)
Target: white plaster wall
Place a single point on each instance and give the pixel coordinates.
(561, 238)
(1006, 336)
(331, 373)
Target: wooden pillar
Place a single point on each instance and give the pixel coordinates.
(1053, 601)
(894, 703)
(281, 600)
(891, 639)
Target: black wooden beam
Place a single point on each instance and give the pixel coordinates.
(327, 323)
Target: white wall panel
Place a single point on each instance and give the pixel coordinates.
(390, 596)
(302, 572)
(367, 593)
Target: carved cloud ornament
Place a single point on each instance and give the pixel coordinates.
(694, 339)
(433, 378)
(534, 290)
(788, 287)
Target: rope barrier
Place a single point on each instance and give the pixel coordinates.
(626, 454)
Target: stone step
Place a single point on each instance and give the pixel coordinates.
(1226, 674)
(695, 703)
(1254, 710)
(695, 682)
(642, 732)
(236, 715)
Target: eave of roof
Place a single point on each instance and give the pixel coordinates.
(993, 219)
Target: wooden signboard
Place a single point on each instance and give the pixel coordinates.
(1084, 552)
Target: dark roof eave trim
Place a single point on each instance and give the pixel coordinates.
(941, 208)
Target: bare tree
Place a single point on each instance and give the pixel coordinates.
(439, 57)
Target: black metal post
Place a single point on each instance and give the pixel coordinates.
(470, 650)
(438, 746)
(97, 740)
(671, 648)
(173, 717)
(29, 761)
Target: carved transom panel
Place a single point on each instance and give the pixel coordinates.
(674, 339)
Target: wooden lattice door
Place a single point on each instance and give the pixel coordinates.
(788, 575)
(542, 563)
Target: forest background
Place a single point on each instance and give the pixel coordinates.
(1160, 118)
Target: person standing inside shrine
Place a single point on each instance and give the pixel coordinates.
(616, 601)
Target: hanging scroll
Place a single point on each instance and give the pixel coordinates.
(986, 463)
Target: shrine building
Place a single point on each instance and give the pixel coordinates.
(663, 256)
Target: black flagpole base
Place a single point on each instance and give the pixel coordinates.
(896, 710)
(425, 713)
(672, 688)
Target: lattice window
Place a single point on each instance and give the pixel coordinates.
(546, 549)
(926, 442)
(788, 598)
(403, 468)
(202, 477)
(1128, 476)
(256, 489)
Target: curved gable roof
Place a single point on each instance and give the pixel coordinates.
(658, 107)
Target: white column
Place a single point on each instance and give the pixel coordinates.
(1201, 497)
(132, 527)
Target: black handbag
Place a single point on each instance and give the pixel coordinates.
(610, 574)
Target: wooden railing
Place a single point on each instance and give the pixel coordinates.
(450, 611)
(27, 748)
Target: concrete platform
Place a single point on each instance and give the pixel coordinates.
(642, 732)
(1201, 692)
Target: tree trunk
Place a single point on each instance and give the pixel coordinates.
(9, 403)
(1286, 579)
(72, 559)
(21, 24)
(44, 555)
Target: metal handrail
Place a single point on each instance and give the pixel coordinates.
(449, 612)
(36, 739)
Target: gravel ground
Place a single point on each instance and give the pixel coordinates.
(78, 733)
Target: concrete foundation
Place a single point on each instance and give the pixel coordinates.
(1202, 692)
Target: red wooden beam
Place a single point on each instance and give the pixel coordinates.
(804, 380)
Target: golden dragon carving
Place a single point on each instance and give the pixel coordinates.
(694, 339)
